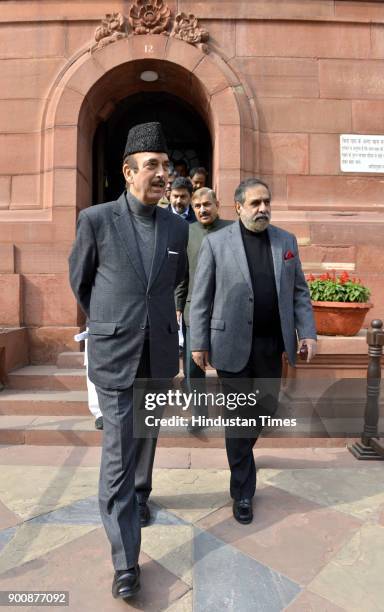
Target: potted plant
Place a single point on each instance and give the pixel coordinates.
(340, 303)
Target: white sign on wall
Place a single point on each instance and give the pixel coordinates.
(361, 153)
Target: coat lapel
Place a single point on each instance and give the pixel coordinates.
(277, 255)
(239, 252)
(123, 223)
(161, 242)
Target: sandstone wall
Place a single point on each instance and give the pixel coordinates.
(310, 69)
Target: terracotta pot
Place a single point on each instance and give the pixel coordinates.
(339, 318)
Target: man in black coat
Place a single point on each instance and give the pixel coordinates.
(180, 199)
(128, 257)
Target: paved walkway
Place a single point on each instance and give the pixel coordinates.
(316, 543)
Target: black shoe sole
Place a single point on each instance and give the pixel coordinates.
(131, 594)
(128, 594)
(243, 522)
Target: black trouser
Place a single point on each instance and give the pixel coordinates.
(265, 362)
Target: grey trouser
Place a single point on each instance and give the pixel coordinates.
(125, 471)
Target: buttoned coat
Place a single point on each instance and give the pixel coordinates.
(109, 282)
(222, 307)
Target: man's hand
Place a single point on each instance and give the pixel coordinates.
(179, 314)
(201, 359)
(311, 346)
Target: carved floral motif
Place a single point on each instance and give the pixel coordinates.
(112, 28)
(186, 28)
(149, 17)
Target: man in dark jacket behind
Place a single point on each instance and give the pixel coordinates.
(206, 208)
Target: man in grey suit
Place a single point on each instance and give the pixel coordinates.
(250, 299)
(128, 257)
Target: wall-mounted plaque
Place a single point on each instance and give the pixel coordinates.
(361, 153)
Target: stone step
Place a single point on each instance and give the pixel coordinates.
(52, 378)
(70, 360)
(79, 431)
(47, 377)
(39, 403)
(48, 430)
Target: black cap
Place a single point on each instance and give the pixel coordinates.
(146, 137)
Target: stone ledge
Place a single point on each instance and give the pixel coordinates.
(343, 345)
(337, 357)
(14, 351)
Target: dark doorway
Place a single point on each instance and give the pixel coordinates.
(187, 137)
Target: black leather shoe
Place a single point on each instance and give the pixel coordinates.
(144, 513)
(126, 583)
(99, 423)
(242, 511)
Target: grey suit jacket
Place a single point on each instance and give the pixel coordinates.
(109, 282)
(221, 314)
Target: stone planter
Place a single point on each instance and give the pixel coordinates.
(339, 318)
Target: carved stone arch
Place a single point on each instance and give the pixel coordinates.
(88, 90)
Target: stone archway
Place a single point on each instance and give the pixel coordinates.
(88, 90)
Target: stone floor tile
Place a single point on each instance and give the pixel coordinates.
(32, 541)
(184, 604)
(299, 458)
(5, 536)
(191, 494)
(381, 515)
(32, 490)
(226, 579)
(292, 535)
(176, 458)
(160, 516)
(80, 456)
(353, 579)
(82, 512)
(171, 547)
(215, 458)
(309, 602)
(357, 491)
(7, 517)
(86, 512)
(84, 568)
(209, 458)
